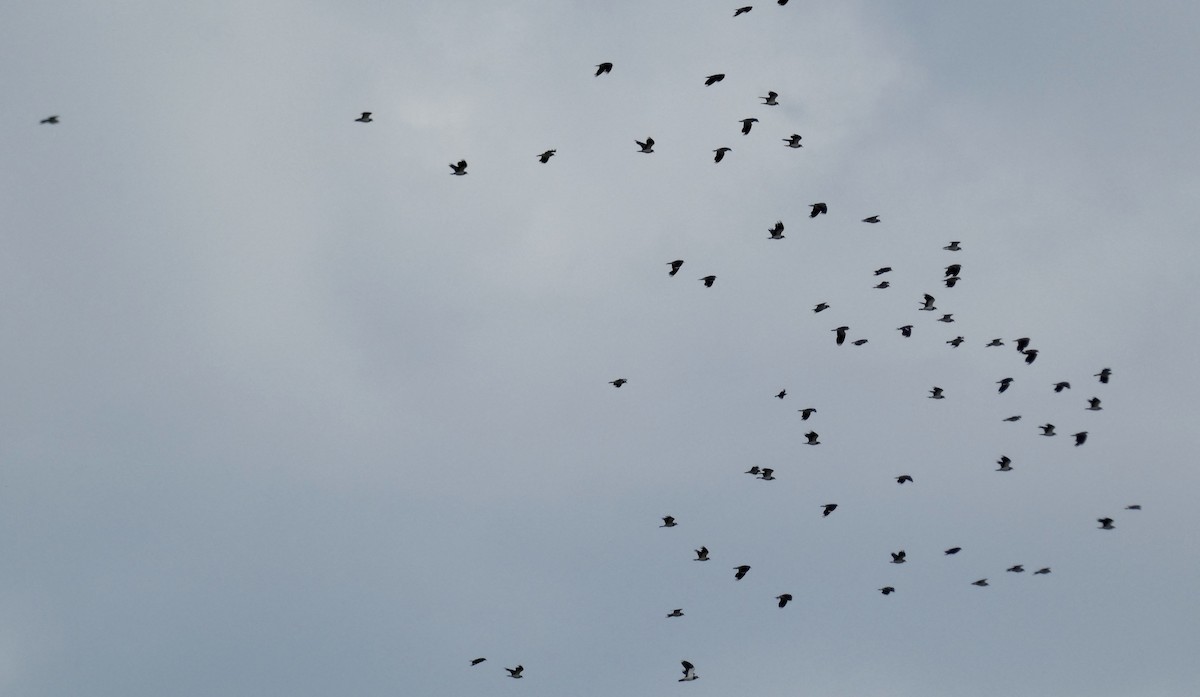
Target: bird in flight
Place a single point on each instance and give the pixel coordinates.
(741, 572)
(936, 393)
(952, 550)
(1060, 386)
(1004, 383)
(742, 10)
(903, 478)
(1005, 463)
(674, 266)
(668, 522)
(1103, 374)
(887, 590)
(746, 123)
(708, 281)
(1094, 404)
(770, 100)
(951, 281)
(603, 68)
(701, 554)
(872, 219)
(820, 307)
(841, 334)
(953, 269)
(947, 318)
(365, 118)
(817, 209)
(1105, 523)
(459, 169)
(952, 247)
(783, 599)
(720, 154)
(754, 470)
(1047, 430)
(767, 474)
(618, 382)
(956, 342)
(646, 147)
(1022, 344)
(1080, 438)
(781, 395)
(859, 342)
(882, 270)
(515, 672)
(1030, 356)
(882, 284)
(1042, 571)
(776, 232)
(1134, 507)
(1016, 417)
(477, 661)
(689, 672)
(928, 303)
(898, 557)
(906, 330)
(812, 438)
(714, 79)
(54, 119)
(793, 141)
(806, 412)
(827, 509)
(1016, 569)
(545, 157)
(677, 612)
(981, 582)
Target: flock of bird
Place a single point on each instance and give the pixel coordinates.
(842, 334)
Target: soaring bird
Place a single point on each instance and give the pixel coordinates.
(754, 470)
(906, 330)
(1134, 507)
(603, 68)
(953, 269)
(827, 509)
(1016, 569)
(1047, 430)
(1094, 404)
(365, 118)
(1105, 523)
(746, 123)
(54, 119)
(545, 157)
(618, 382)
(781, 395)
(883, 284)
(898, 557)
(674, 266)
(1080, 438)
(952, 550)
(477, 661)
(646, 147)
(952, 247)
(793, 141)
(742, 10)
(859, 342)
(741, 572)
(708, 281)
(812, 438)
(1005, 463)
(1022, 344)
(720, 153)
(820, 307)
(956, 342)
(1030, 356)
(701, 554)
(936, 393)
(783, 599)
(947, 318)
(928, 303)
(841, 334)
(951, 281)
(714, 79)
(1060, 386)
(1014, 418)
(1004, 383)
(903, 478)
(770, 100)
(767, 474)
(871, 219)
(1103, 374)
(806, 412)
(689, 672)
(887, 590)
(677, 612)
(1042, 571)
(817, 209)
(776, 231)
(515, 672)
(995, 342)
(459, 169)
(668, 522)
(981, 582)
(882, 270)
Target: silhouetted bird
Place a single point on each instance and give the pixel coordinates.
(1005, 463)
(746, 124)
(618, 382)
(952, 281)
(952, 247)
(1014, 418)
(741, 572)
(906, 330)
(714, 79)
(898, 557)
(882, 270)
(887, 590)
(953, 550)
(365, 118)
(720, 154)
(903, 478)
(820, 307)
(708, 281)
(793, 141)
(477, 661)
(928, 303)
(783, 599)
(981, 582)
(1094, 404)
(872, 219)
(754, 470)
(827, 509)
(668, 522)
(689, 672)
(781, 395)
(742, 10)
(1080, 438)
(647, 146)
(841, 334)
(603, 68)
(674, 266)
(805, 413)
(1105, 523)
(545, 157)
(776, 231)
(956, 342)
(1004, 383)
(515, 672)
(947, 318)
(812, 438)
(1047, 430)
(770, 100)
(767, 474)
(1104, 375)
(995, 342)
(54, 119)
(858, 342)
(953, 269)
(1134, 507)
(1030, 356)
(701, 554)
(1042, 571)
(1022, 344)
(817, 209)
(883, 284)
(1060, 386)
(1016, 569)
(936, 393)
(677, 612)
(459, 169)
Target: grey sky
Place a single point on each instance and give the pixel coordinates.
(289, 410)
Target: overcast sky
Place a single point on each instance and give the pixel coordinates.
(288, 410)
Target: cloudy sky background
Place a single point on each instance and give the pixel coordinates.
(289, 410)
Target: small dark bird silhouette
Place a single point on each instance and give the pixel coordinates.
(618, 382)
(995, 342)
(545, 157)
(770, 100)
(1042, 571)
(872, 219)
(952, 281)
(776, 231)
(515, 672)
(956, 342)
(365, 118)
(754, 470)
(906, 330)
(903, 478)
(812, 438)
(947, 318)
(1022, 344)
(1016, 569)
(459, 169)
(952, 247)
(1105, 523)
(928, 303)
(1004, 383)
(817, 209)
(858, 342)
(1134, 507)
(603, 68)
(841, 334)
(677, 612)
(781, 395)
(1103, 374)
(689, 672)
(793, 141)
(981, 582)
(1094, 404)
(746, 124)
(898, 557)
(477, 661)
(701, 554)
(883, 284)
(806, 412)
(952, 550)
(767, 474)
(1030, 356)
(1080, 438)
(708, 281)
(936, 393)
(647, 146)
(741, 572)
(742, 10)
(820, 307)
(887, 590)
(1060, 386)
(827, 509)
(1014, 418)
(1005, 463)
(674, 266)
(54, 119)
(714, 79)
(882, 270)
(668, 522)
(1047, 430)
(783, 599)
(720, 154)
(953, 269)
